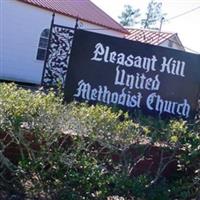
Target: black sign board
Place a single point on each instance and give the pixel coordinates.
(132, 75)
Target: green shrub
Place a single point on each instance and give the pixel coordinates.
(66, 151)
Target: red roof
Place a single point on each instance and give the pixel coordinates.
(83, 9)
(148, 36)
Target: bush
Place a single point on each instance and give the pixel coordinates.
(49, 150)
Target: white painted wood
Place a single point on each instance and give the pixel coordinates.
(20, 28)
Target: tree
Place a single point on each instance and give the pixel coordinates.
(129, 16)
(153, 14)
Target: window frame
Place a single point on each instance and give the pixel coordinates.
(42, 49)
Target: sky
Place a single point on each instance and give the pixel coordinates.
(187, 26)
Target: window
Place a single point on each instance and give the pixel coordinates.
(170, 44)
(43, 43)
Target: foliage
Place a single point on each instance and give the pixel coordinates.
(153, 14)
(129, 16)
(78, 151)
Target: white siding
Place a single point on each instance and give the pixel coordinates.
(20, 28)
(173, 43)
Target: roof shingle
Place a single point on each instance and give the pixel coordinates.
(148, 36)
